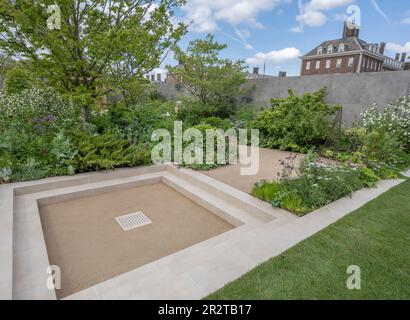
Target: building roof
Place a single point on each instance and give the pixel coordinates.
(351, 44)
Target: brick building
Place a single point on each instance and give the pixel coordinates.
(349, 54)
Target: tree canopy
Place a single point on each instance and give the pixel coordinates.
(93, 39)
(208, 77)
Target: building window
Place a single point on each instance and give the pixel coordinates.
(328, 64)
(339, 63)
(308, 65)
(318, 64)
(351, 61)
(319, 50)
(341, 47)
(330, 49)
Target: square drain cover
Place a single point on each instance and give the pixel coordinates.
(133, 220)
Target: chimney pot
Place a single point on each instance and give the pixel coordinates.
(350, 29)
(382, 47)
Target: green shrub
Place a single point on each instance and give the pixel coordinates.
(296, 123)
(135, 123)
(17, 79)
(194, 112)
(218, 123)
(293, 204)
(392, 118)
(39, 109)
(317, 185)
(30, 170)
(265, 190)
(105, 151)
(203, 127)
(368, 177)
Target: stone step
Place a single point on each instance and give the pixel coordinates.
(259, 208)
(228, 211)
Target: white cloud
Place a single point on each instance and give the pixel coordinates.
(324, 5)
(206, 14)
(277, 57)
(341, 17)
(312, 18)
(405, 21)
(397, 48)
(379, 10)
(311, 13)
(296, 29)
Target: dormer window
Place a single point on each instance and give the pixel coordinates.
(341, 47)
(320, 50)
(330, 49)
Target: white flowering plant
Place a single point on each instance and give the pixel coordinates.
(37, 108)
(393, 118)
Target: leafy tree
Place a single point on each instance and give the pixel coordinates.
(205, 75)
(17, 79)
(4, 64)
(94, 39)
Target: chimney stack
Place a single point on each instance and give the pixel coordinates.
(256, 70)
(397, 58)
(403, 57)
(382, 47)
(350, 30)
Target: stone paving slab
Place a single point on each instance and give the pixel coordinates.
(210, 268)
(192, 273)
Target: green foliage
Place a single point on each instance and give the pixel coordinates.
(392, 118)
(368, 177)
(135, 123)
(105, 151)
(97, 46)
(5, 174)
(293, 204)
(219, 123)
(5, 64)
(37, 108)
(207, 77)
(64, 151)
(317, 185)
(265, 190)
(30, 170)
(194, 112)
(17, 79)
(219, 132)
(296, 123)
(381, 143)
(244, 115)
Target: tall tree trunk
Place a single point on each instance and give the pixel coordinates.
(85, 112)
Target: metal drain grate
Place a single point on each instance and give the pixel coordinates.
(133, 220)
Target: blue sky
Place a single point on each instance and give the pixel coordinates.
(278, 31)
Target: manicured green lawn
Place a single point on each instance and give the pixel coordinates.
(376, 238)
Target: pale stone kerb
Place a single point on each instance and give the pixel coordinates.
(6, 242)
